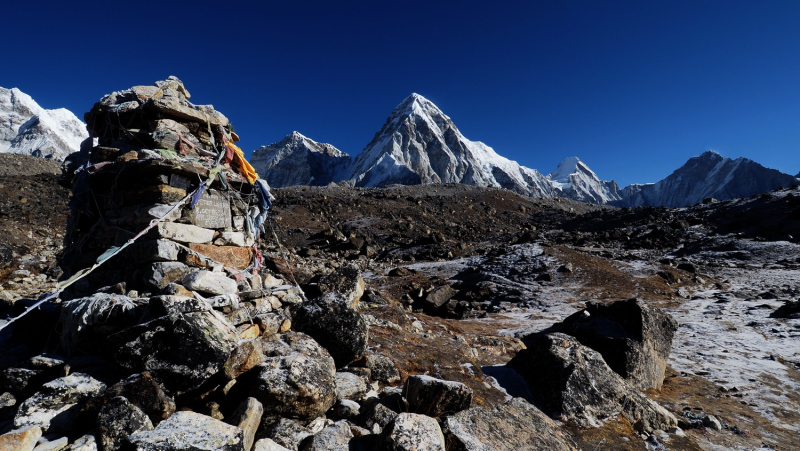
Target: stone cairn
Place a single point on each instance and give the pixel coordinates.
(154, 150)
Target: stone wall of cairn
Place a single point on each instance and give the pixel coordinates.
(154, 149)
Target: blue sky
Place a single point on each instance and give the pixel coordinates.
(633, 88)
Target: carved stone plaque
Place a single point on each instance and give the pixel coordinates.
(213, 211)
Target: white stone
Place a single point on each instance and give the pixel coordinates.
(185, 233)
(210, 282)
(267, 444)
(233, 239)
(189, 431)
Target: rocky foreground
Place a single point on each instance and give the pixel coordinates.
(430, 317)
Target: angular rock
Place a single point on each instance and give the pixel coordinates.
(87, 442)
(87, 321)
(634, 338)
(118, 419)
(184, 233)
(230, 256)
(572, 382)
(23, 439)
(436, 397)
(189, 431)
(169, 305)
(180, 351)
(297, 378)
(345, 408)
(337, 327)
(438, 297)
(147, 251)
(210, 282)
(160, 274)
(382, 369)
(212, 211)
(378, 414)
(514, 426)
(144, 392)
(52, 445)
(413, 432)
(54, 407)
(350, 386)
(346, 281)
(247, 417)
(333, 438)
(234, 239)
(288, 433)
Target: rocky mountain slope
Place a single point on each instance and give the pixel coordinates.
(28, 129)
(297, 160)
(707, 176)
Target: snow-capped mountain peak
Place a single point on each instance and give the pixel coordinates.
(573, 179)
(299, 160)
(26, 128)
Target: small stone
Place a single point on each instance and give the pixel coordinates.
(438, 297)
(712, 422)
(335, 437)
(248, 331)
(267, 444)
(345, 408)
(335, 325)
(346, 281)
(209, 282)
(382, 369)
(118, 419)
(160, 274)
(23, 439)
(86, 443)
(52, 445)
(271, 281)
(233, 239)
(145, 393)
(229, 256)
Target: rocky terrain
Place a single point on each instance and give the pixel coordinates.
(435, 317)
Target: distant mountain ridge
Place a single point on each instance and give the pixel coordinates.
(28, 129)
(419, 144)
(709, 175)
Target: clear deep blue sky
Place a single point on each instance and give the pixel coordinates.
(633, 88)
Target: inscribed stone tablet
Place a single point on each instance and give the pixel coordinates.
(213, 211)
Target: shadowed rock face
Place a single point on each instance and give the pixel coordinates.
(633, 337)
(573, 382)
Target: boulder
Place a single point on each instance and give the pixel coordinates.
(514, 426)
(350, 386)
(85, 322)
(436, 397)
(55, 406)
(160, 274)
(118, 419)
(143, 391)
(87, 442)
(287, 433)
(184, 233)
(335, 437)
(230, 256)
(335, 325)
(180, 351)
(25, 381)
(634, 338)
(189, 431)
(572, 382)
(345, 408)
(23, 439)
(56, 444)
(297, 378)
(210, 282)
(346, 281)
(413, 432)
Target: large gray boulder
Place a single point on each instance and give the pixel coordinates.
(413, 432)
(634, 338)
(181, 351)
(335, 325)
(572, 382)
(297, 379)
(144, 392)
(510, 427)
(436, 397)
(189, 431)
(335, 437)
(56, 405)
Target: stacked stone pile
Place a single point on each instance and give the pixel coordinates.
(154, 149)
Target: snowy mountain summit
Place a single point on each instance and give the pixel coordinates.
(419, 144)
(28, 129)
(298, 160)
(576, 181)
